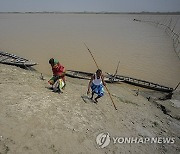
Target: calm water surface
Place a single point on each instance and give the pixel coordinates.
(144, 51)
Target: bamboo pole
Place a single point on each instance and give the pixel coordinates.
(92, 55)
(98, 68)
(117, 69)
(176, 86)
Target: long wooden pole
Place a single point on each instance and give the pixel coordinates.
(98, 68)
(176, 86)
(92, 56)
(116, 69)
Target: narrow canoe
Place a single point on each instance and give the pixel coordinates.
(141, 83)
(82, 75)
(11, 59)
(120, 78)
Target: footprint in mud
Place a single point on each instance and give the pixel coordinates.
(86, 99)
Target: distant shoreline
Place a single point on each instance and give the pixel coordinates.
(143, 13)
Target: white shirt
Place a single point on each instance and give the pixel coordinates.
(97, 81)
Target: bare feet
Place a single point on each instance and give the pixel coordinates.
(95, 101)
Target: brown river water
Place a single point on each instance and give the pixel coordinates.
(145, 51)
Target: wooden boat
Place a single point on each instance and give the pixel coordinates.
(82, 75)
(140, 83)
(120, 78)
(79, 74)
(11, 59)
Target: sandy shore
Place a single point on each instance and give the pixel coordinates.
(35, 120)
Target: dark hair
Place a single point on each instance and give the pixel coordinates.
(51, 61)
(99, 71)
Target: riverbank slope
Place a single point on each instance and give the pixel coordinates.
(33, 119)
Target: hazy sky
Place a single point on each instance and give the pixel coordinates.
(90, 5)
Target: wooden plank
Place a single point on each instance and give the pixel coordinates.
(4, 59)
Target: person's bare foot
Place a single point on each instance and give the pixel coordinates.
(95, 101)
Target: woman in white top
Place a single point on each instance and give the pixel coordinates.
(96, 83)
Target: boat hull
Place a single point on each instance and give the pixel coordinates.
(11, 59)
(119, 78)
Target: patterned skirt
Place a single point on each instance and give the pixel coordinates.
(53, 80)
(98, 89)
